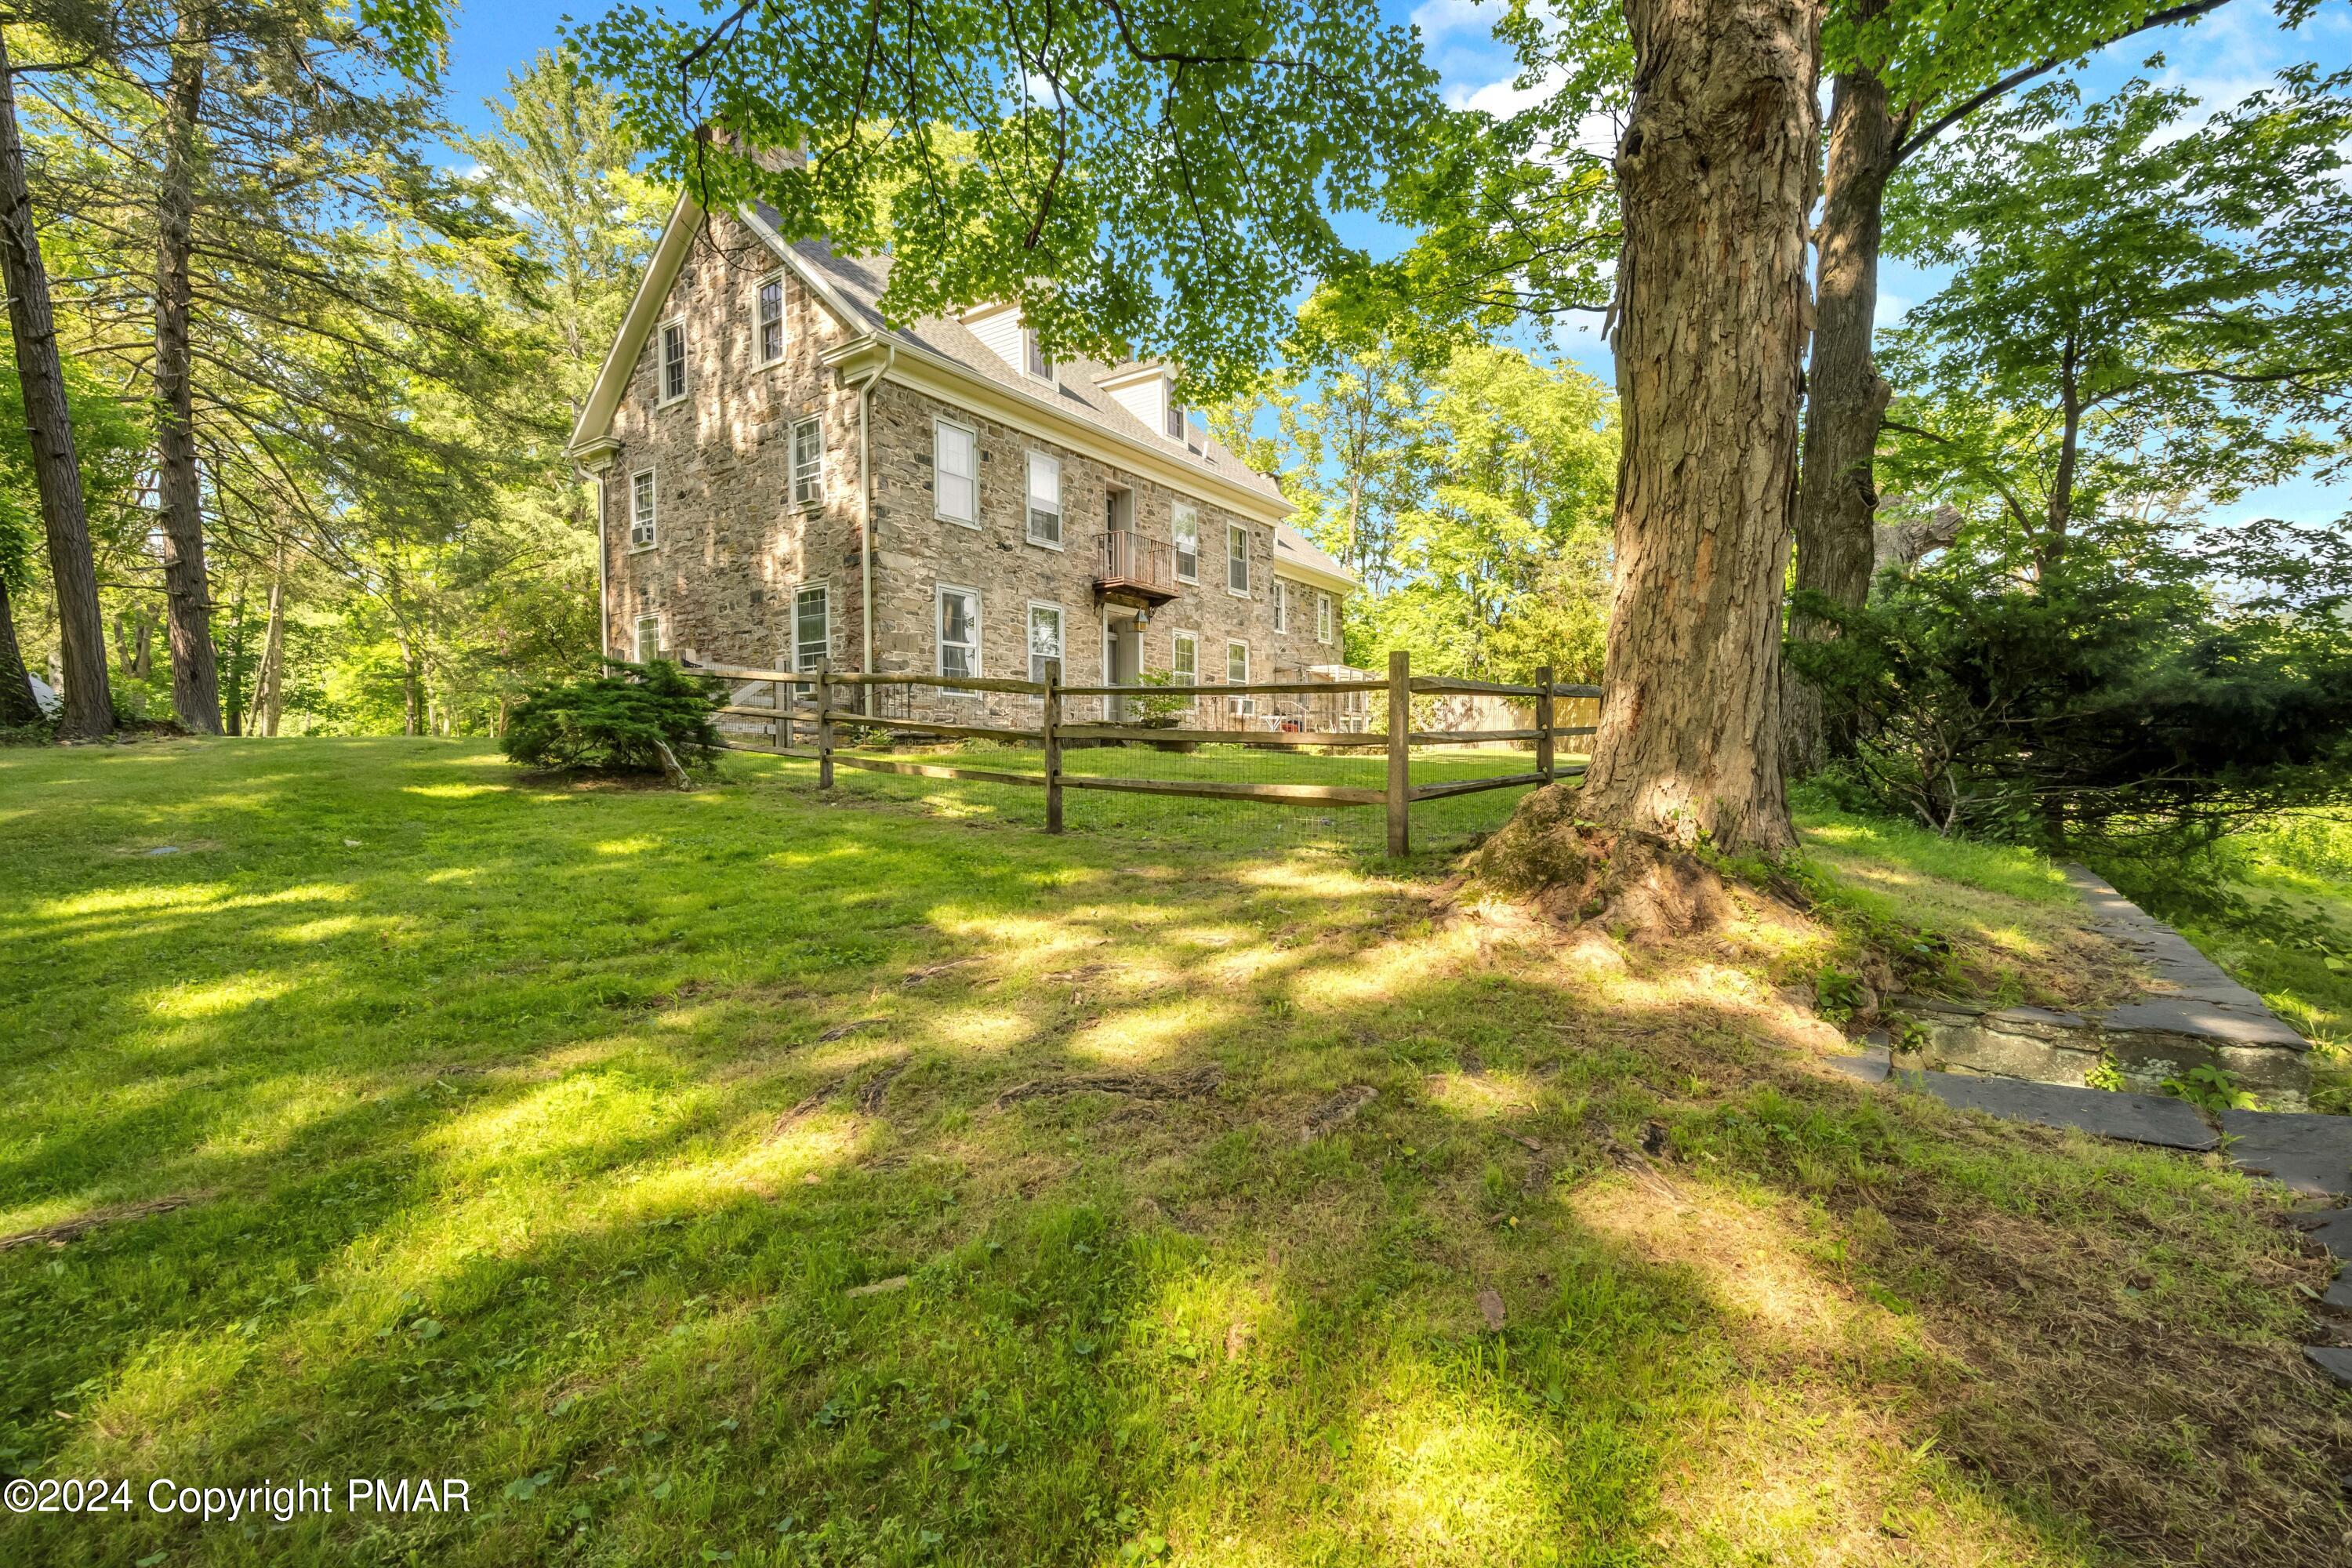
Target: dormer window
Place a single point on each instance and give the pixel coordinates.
(1175, 420)
(1033, 355)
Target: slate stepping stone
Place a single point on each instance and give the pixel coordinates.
(2133, 1117)
(2334, 1362)
(2308, 1151)
(1871, 1066)
(2332, 1230)
(2339, 1295)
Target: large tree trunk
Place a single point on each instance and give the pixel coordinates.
(1846, 399)
(1716, 171)
(196, 679)
(88, 711)
(18, 704)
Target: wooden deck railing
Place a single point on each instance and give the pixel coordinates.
(810, 703)
(1125, 559)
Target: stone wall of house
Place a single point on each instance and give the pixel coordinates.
(920, 551)
(731, 548)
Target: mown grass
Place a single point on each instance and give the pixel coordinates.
(2302, 964)
(548, 1137)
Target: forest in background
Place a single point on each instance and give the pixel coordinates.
(320, 385)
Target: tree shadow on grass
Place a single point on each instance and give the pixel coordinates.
(591, 1248)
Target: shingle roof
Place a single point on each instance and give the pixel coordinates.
(859, 281)
(1290, 545)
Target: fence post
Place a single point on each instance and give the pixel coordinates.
(1543, 724)
(1400, 753)
(1050, 728)
(783, 725)
(824, 724)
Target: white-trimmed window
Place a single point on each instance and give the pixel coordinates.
(808, 463)
(1184, 524)
(1183, 659)
(640, 510)
(1175, 419)
(1044, 637)
(1045, 500)
(1281, 605)
(673, 361)
(959, 623)
(1033, 355)
(812, 626)
(648, 644)
(1322, 617)
(1237, 674)
(768, 317)
(1236, 559)
(955, 473)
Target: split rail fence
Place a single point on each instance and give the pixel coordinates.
(821, 715)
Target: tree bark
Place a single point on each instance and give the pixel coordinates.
(195, 677)
(17, 703)
(1846, 399)
(89, 698)
(269, 686)
(1716, 174)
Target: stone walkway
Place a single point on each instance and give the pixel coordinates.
(2187, 1013)
(2311, 1155)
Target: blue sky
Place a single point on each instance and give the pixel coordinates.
(2220, 59)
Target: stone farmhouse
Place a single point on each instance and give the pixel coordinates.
(784, 476)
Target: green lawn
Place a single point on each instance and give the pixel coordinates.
(761, 1176)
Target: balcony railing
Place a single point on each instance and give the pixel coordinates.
(1128, 562)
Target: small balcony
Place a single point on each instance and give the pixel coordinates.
(1132, 570)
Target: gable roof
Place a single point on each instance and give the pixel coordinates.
(851, 287)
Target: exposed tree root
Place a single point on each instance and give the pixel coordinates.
(80, 1225)
(1173, 1086)
(1635, 884)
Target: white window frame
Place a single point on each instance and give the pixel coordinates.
(1061, 637)
(1177, 514)
(802, 663)
(938, 640)
(1237, 531)
(637, 639)
(808, 490)
(1323, 617)
(1033, 354)
(1282, 605)
(1172, 422)
(939, 487)
(1178, 677)
(1244, 707)
(663, 396)
(653, 509)
(1029, 502)
(759, 323)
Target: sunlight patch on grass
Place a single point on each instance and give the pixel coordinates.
(1804, 1471)
(1745, 1254)
(324, 930)
(185, 1003)
(163, 898)
(575, 1115)
(457, 791)
(981, 1031)
(1455, 1478)
(1146, 1037)
(639, 844)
